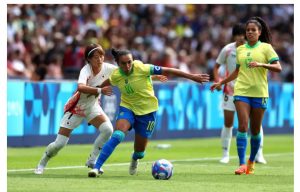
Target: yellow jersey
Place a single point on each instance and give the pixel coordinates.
(253, 82)
(136, 89)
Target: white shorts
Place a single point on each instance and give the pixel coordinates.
(71, 121)
(227, 103)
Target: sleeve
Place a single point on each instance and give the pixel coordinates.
(111, 68)
(271, 54)
(83, 76)
(222, 57)
(237, 57)
(112, 79)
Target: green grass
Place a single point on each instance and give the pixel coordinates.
(196, 174)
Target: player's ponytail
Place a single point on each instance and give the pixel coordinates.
(263, 27)
(118, 53)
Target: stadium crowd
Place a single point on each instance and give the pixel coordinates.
(47, 41)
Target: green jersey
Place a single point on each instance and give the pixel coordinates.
(253, 82)
(136, 89)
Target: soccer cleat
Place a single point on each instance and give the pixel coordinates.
(250, 167)
(260, 159)
(39, 170)
(241, 170)
(133, 166)
(225, 159)
(95, 172)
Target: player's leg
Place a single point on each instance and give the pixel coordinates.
(124, 121)
(243, 110)
(259, 156)
(256, 117)
(144, 126)
(226, 133)
(68, 123)
(140, 144)
(105, 127)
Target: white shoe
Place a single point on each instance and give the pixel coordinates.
(133, 166)
(260, 159)
(95, 172)
(90, 163)
(39, 170)
(225, 159)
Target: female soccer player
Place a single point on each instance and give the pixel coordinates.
(84, 104)
(254, 59)
(227, 58)
(138, 104)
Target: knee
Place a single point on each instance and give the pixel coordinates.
(119, 135)
(60, 141)
(138, 155)
(106, 128)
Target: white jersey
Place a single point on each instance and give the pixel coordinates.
(86, 77)
(227, 57)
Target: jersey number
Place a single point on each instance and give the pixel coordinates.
(129, 89)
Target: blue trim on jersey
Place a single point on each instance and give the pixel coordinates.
(142, 124)
(255, 102)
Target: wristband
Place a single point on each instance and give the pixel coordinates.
(99, 90)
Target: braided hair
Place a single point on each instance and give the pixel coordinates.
(118, 53)
(263, 27)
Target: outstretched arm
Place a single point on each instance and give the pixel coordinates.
(199, 78)
(161, 78)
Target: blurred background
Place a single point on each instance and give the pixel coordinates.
(47, 41)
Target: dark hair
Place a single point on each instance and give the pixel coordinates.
(238, 29)
(90, 50)
(41, 71)
(118, 53)
(263, 27)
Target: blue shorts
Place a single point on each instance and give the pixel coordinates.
(142, 124)
(255, 102)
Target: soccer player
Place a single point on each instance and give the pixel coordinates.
(138, 104)
(254, 59)
(84, 104)
(227, 57)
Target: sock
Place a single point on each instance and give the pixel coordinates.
(106, 130)
(226, 135)
(53, 148)
(260, 150)
(241, 144)
(255, 143)
(116, 138)
(138, 155)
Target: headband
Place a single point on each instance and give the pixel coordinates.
(92, 51)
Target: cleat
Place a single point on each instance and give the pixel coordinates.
(90, 164)
(241, 170)
(225, 159)
(133, 166)
(250, 167)
(39, 170)
(260, 160)
(95, 172)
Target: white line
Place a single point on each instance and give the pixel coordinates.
(122, 164)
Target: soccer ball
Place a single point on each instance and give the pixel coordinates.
(162, 169)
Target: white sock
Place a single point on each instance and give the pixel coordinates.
(53, 148)
(106, 130)
(260, 151)
(226, 135)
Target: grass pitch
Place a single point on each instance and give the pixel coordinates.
(196, 168)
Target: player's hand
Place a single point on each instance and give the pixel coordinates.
(200, 78)
(107, 90)
(217, 86)
(161, 78)
(254, 64)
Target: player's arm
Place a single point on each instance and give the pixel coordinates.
(274, 66)
(199, 78)
(216, 74)
(82, 88)
(231, 77)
